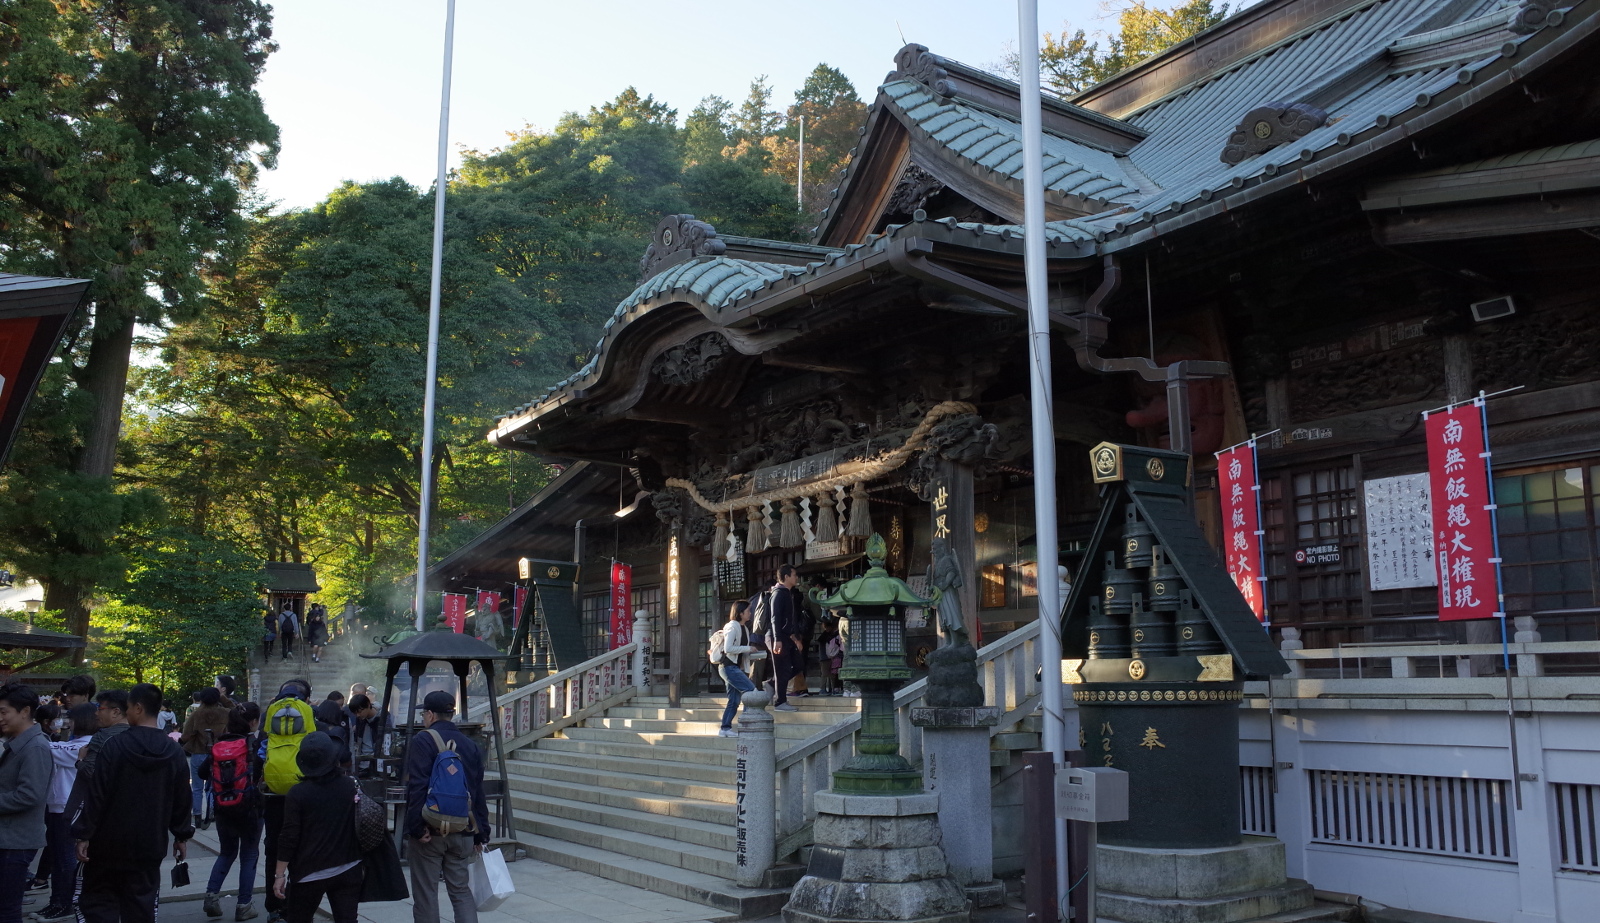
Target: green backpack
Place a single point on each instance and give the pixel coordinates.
(288, 722)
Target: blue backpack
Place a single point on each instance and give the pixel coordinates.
(448, 805)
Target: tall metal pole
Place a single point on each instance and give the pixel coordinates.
(1044, 441)
(800, 169)
(431, 383)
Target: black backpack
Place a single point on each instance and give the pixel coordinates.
(761, 613)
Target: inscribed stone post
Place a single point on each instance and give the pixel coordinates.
(755, 784)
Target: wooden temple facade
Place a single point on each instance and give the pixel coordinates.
(1339, 213)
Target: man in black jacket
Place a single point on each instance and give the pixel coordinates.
(431, 851)
(783, 633)
(138, 794)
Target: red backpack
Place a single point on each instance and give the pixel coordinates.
(230, 774)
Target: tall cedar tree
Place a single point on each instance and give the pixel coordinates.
(128, 133)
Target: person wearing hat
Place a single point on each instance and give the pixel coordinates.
(318, 854)
(433, 852)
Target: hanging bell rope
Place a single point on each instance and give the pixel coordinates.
(866, 471)
(860, 513)
(719, 544)
(790, 535)
(755, 540)
(827, 527)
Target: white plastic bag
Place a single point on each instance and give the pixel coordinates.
(490, 880)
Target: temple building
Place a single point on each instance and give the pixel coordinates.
(1306, 225)
(1364, 209)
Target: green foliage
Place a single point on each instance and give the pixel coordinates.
(189, 611)
(1070, 63)
(129, 134)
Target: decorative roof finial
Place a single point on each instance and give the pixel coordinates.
(679, 238)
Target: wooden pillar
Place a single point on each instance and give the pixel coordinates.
(958, 505)
(681, 591)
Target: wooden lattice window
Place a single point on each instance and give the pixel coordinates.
(1310, 508)
(596, 621)
(1547, 537)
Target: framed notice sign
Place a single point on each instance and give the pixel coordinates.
(1399, 532)
(992, 586)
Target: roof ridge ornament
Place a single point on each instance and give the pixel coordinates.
(677, 239)
(1267, 126)
(916, 62)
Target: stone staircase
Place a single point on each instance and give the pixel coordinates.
(644, 794)
(339, 668)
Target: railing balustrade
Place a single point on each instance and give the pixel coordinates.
(563, 699)
(1006, 669)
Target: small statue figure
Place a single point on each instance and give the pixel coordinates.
(953, 668)
(945, 573)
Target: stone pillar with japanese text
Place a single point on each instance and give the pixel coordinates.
(681, 591)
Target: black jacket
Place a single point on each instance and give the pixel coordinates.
(420, 752)
(137, 795)
(785, 615)
(319, 826)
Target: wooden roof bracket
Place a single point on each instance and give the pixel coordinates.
(1087, 332)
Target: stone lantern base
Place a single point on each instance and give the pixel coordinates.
(877, 858)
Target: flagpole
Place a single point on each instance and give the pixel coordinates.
(431, 383)
(1044, 441)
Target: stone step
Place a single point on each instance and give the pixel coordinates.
(653, 739)
(598, 790)
(707, 860)
(661, 878)
(622, 766)
(717, 836)
(814, 717)
(623, 781)
(844, 703)
(781, 729)
(639, 750)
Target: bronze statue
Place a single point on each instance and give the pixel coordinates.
(945, 574)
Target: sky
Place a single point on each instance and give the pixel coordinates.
(354, 86)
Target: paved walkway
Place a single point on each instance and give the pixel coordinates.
(545, 894)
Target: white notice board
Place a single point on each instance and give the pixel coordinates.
(1399, 533)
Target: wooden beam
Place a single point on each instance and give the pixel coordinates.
(1502, 219)
(814, 364)
(674, 414)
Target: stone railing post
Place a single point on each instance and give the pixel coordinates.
(755, 786)
(1528, 633)
(955, 766)
(1291, 642)
(641, 653)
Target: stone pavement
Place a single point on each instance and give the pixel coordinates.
(545, 894)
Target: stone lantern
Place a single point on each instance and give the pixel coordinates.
(877, 852)
(872, 609)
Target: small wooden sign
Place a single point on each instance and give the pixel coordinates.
(992, 586)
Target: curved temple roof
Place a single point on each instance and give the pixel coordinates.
(1379, 69)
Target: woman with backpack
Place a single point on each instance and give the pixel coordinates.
(269, 633)
(204, 726)
(234, 772)
(288, 627)
(732, 652)
(318, 853)
(831, 646)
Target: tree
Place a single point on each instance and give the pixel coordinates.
(755, 119)
(1069, 63)
(707, 131)
(190, 610)
(833, 114)
(129, 133)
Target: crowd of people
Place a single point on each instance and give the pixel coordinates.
(97, 788)
(771, 640)
(284, 627)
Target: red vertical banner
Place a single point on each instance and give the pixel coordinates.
(488, 602)
(621, 602)
(455, 611)
(1239, 491)
(1463, 514)
(519, 599)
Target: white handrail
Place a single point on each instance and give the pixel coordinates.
(1006, 669)
(562, 699)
